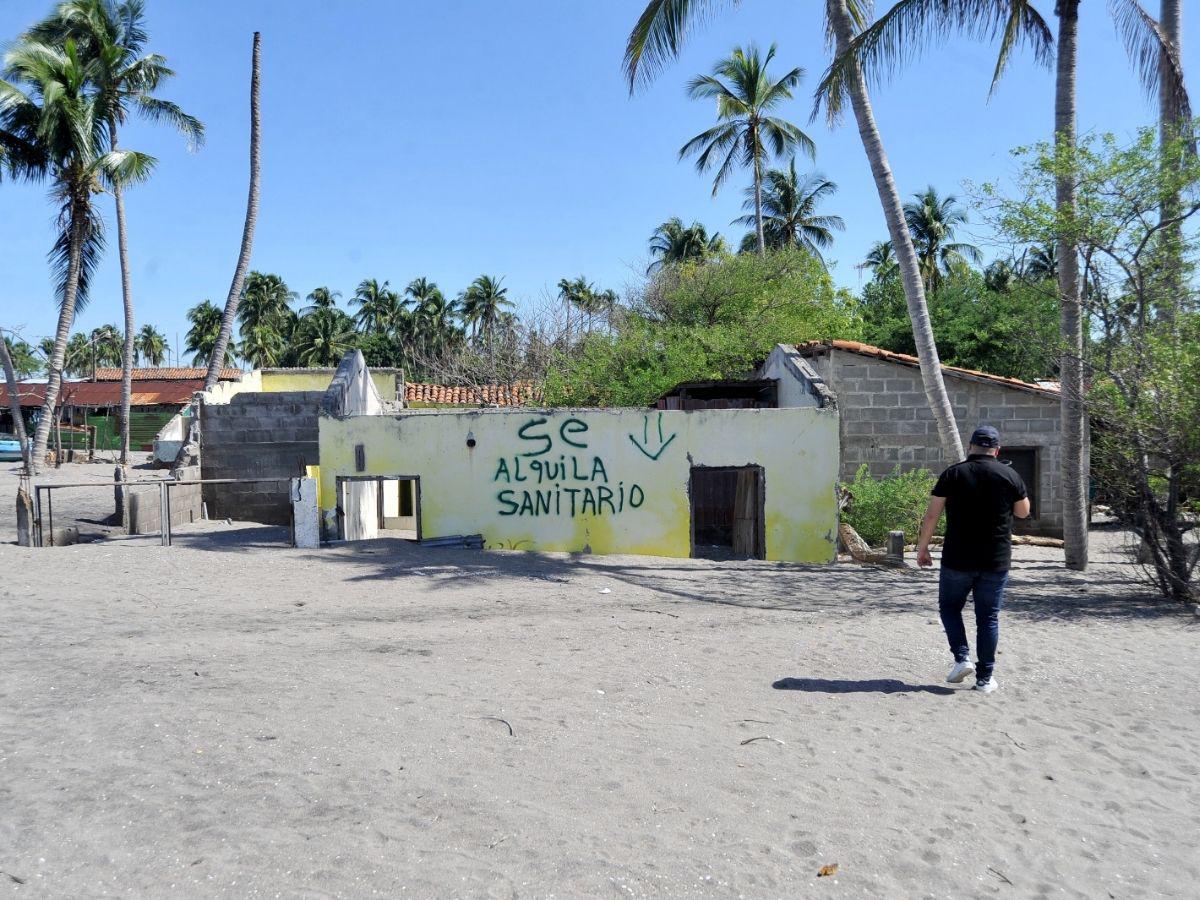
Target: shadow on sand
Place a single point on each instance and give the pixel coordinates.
(870, 686)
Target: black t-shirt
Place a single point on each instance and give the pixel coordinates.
(980, 494)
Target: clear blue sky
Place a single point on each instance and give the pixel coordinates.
(465, 137)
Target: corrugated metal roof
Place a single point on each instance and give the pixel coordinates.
(520, 394)
(167, 374)
(108, 393)
(906, 360)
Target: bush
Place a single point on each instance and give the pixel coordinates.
(895, 502)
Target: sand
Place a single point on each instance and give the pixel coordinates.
(231, 717)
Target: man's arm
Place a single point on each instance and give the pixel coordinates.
(1021, 508)
(928, 526)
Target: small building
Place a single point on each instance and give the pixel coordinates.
(588, 480)
(886, 421)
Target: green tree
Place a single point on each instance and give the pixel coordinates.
(672, 243)
(107, 342)
(380, 309)
(789, 209)
(658, 36)
(932, 221)
(266, 319)
(113, 36)
(482, 304)
(322, 298)
(881, 261)
(746, 133)
(322, 338)
(205, 326)
(24, 357)
(698, 320)
(151, 345)
(49, 102)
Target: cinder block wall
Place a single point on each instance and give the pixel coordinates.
(886, 421)
(257, 436)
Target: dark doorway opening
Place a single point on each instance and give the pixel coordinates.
(1024, 462)
(728, 512)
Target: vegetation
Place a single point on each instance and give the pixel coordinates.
(701, 320)
(746, 133)
(895, 502)
(789, 212)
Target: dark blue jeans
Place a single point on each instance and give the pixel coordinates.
(988, 587)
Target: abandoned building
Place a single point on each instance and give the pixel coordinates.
(886, 421)
(738, 481)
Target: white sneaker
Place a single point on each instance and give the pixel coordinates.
(987, 687)
(960, 671)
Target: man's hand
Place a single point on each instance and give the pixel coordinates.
(924, 560)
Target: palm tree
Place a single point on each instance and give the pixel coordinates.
(23, 356)
(1039, 263)
(7, 346)
(1000, 276)
(221, 346)
(322, 298)
(481, 305)
(901, 33)
(380, 308)
(584, 296)
(113, 34)
(880, 261)
(789, 208)
(658, 36)
(672, 243)
(322, 338)
(265, 318)
(107, 343)
(151, 345)
(932, 221)
(746, 133)
(49, 101)
(201, 338)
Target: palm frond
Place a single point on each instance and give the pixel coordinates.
(85, 221)
(1152, 56)
(906, 30)
(659, 34)
(165, 112)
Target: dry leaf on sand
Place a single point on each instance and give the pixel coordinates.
(828, 870)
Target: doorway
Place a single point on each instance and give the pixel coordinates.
(728, 512)
(1024, 461)
(379, 506)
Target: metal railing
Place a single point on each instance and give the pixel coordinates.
(44, 520)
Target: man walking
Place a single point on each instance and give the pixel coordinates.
(980, 497)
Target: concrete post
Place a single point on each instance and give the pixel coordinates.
(306, 527)
(895, 548)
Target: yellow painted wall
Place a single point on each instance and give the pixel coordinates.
(307, 380)
(646, 508)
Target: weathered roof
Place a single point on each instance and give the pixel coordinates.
(167, 374)
(108, 393)
(810, 347)
(519, 394)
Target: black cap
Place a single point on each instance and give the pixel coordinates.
(986, 436)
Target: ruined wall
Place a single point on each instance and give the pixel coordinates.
(608, 481)
(279, 380)
(257, 435)
(886, 421)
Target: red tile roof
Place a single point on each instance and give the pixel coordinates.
(520, 394)
(167, 374)
(108, 393)
(906, 360)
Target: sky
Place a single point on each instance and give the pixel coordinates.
(453, 139)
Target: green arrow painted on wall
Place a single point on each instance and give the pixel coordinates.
(645, 444)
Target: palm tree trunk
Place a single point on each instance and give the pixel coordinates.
(1170, 124)
(906, 257)
(66, 317)
(217, 361)
(758, 223)
(127, 300)
(1074, 422)
(14, 401)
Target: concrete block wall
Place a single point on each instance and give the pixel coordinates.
(257, 435)
(886, 421)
